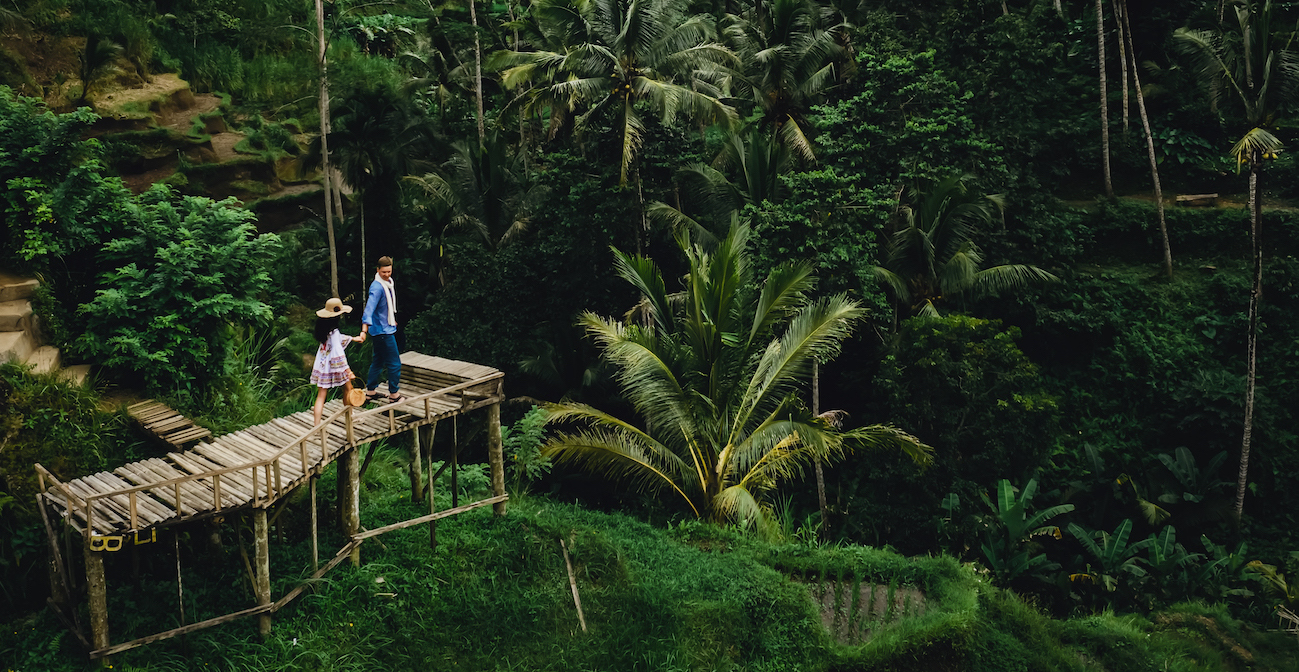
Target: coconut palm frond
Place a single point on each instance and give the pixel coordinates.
(784, 291)
(794, 137)
(617, 455)
(1008, 277)
(814, 334)
(673, 219)
(893, 282)
(889, 438)
(1256, 140)
(739, 503)
(644, 275)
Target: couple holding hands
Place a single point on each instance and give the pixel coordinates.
(378, 320)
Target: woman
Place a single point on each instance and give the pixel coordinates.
(330, 368)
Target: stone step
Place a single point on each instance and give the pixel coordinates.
(77, 374)
(16, 345)
(15, 315)
(13, 288)
(45, 359)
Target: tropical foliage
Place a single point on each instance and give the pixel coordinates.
(714, 373)
(185, 271)
(932, 255)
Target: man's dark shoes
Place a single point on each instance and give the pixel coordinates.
(373, 395)
(396, 398)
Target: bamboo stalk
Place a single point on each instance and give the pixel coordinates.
(572, 583)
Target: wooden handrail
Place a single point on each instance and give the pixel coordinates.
(268, 462)
(46, 473)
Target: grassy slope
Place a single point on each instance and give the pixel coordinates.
(495, 596)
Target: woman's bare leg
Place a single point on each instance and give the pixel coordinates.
(319, 408)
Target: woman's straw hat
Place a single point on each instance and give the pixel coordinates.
(333, 308)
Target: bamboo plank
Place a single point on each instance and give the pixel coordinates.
(236, 482)
(136, 474)
(222, 455)
(108, 510)
(117, 505)
(196, 494)
(190, 490)
(287, 461)
(112, 483)
(190, 433)
(149, 411)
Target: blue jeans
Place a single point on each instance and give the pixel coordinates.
(385, 357)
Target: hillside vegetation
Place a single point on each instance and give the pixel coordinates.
(817, 299)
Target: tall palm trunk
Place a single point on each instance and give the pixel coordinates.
(1125, 45)
(1256, 291)
(478, 71)
(820, 473)
(1150, 139)
(1105, 112)
(324, 149)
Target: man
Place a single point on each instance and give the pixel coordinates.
(379, 321)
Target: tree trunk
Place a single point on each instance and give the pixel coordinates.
(1251, 357)
(820, 473)
(1105, 113)
(478, 71)
(1150, 141)
(1125, 45)
(324, 149)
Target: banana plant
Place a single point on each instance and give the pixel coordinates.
(1114, 556)
(1170, 564)
(1225, 573)
(1009, 550)
(1274, 582)
(1196, 483)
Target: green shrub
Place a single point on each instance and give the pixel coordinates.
(187, 269)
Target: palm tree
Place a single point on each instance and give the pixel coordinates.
(611, 58)
(327, 178)
(1257, 66)
(487, 187)
(933, 255)
(98, 60)
(1125, 33)
(376, 139)
(756, 164)
(714, 375)
(1105, 113)
(792, 58)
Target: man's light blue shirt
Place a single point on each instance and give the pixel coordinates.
(376, 311)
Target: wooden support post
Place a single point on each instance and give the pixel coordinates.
(262, 557)
(350, 473)
(97, 596)
(59, 583)
(455, 468)
(416, 467)
(496, 455)
(315, 548)
(432, 501)
(433, 524)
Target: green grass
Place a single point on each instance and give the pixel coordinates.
(494, 595)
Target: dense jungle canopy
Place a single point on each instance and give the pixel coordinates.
(1003, 286)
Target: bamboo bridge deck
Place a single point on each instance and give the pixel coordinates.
(255, 467)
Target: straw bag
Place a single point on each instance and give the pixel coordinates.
(355, 397)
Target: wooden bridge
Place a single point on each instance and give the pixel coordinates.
(250, 471)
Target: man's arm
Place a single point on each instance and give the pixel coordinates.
(371, 303)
